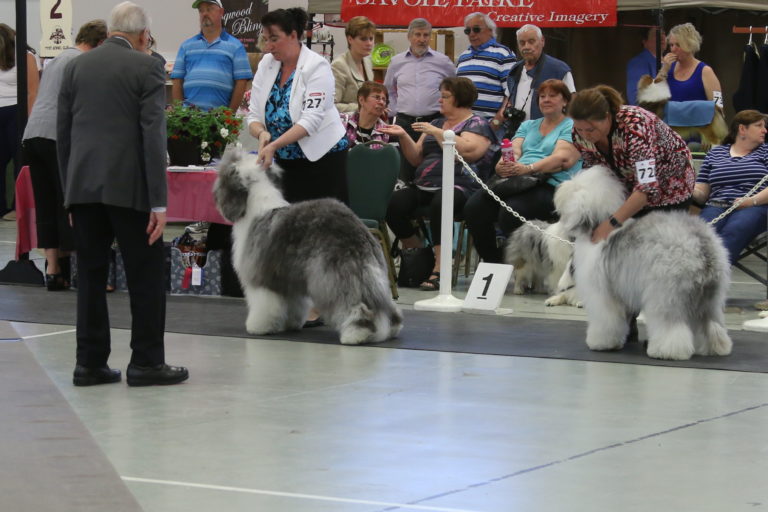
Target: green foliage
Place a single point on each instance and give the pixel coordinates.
(214, 128)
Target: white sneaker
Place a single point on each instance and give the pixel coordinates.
(198, 227)
(10, 216)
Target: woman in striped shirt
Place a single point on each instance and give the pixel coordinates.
(728, 174)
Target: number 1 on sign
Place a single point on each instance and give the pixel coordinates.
(487, 280)
(487, 287)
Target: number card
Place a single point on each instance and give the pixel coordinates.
(487, 287)
(646, 171)
(56, 25)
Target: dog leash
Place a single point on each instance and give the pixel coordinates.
(502, 203)
(738, 202)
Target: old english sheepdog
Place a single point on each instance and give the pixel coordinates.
(289, 257)
(672, 266)
(541, 262)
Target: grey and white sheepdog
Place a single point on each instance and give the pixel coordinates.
(290, 257)
(671, 266)
(542, 262)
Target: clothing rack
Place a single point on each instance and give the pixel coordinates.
(752, 30)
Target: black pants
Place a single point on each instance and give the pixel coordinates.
(304, 180)
(407, 171)
(482, 214)
(53, 229)
(95, 226)
(407, 204)
(8, 150)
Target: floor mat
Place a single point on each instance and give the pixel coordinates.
(457, 332)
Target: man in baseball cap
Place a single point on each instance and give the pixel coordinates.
(211, 68)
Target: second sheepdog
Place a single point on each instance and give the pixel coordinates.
(672, 266)
(541, 262)
(289, 257)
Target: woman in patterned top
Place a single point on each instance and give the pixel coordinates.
(475, 142)
(729, 173)
(650, 159)
(365, 125)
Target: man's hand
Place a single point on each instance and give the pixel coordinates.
(156, 226)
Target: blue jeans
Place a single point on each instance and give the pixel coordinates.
(738, 228)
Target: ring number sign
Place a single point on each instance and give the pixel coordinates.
(487, 287)
(56, 26)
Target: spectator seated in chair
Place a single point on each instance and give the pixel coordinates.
(475, 142)
(365, 125)
(728, 174)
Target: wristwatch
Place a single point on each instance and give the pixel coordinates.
(495, 122)
(614, 221)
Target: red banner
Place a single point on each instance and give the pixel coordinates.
(505, 13)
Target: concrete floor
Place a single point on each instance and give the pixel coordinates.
(292, 427)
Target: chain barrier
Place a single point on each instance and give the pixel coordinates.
(502, 203)
(526, 221)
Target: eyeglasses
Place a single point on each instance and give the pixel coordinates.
(476, 29)
(376, 97)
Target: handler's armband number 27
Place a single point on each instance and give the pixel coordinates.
(646, 171)
(314, 101)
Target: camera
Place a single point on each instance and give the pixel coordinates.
(513, 119)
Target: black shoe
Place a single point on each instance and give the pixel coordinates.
(160, 375)
(56, 282)
(92, 376)
(317, 322)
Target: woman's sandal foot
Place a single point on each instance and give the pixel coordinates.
(432, 284)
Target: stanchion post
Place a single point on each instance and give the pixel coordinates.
(444, 300)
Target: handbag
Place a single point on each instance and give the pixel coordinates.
(415, 266)
(513, 185)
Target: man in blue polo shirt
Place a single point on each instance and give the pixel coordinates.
(211, 68)
(487, 63)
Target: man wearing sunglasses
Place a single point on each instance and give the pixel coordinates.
(487, 63)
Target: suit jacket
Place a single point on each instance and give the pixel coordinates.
(111, 128)
(348, 80)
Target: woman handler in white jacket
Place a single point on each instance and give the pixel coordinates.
(292, 112)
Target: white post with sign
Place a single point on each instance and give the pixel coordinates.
(56, 27)
(487, 288)
(444, 300)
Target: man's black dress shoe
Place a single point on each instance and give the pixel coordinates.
(160, 375)
(91, 376)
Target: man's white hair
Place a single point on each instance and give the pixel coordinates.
(418, 23)
(129, 18)
(487, 19)
(526, 28)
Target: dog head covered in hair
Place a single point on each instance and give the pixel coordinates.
(588, 199)
(242, 184)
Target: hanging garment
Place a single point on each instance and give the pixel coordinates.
(746, 95)
(762, 81)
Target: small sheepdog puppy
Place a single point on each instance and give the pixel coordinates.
(672, 266)
(292, 256)
(541, 262)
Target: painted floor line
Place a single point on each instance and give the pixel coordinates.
(290, 494)
(580, 455)
(48, 334)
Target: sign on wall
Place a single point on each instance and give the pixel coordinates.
(242, 19)
(505, 13)
(56, 26)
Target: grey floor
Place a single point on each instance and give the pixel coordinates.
(294, 427)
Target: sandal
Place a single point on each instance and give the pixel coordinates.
(432, 284)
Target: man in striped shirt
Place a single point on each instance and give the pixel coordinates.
(211, 68)
(487, 63)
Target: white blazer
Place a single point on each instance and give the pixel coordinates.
(311, 104)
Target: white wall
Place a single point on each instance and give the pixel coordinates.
(173, 21)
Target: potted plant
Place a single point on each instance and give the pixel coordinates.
(195, 136)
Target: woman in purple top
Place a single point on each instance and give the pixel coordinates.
(366, 124)
(475, 142)
(688, 78)
(728, 174)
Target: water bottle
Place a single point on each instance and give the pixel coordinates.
(507, 155)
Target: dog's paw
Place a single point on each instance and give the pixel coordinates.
(555, 300)
(356, 336)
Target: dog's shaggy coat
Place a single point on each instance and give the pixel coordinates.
(289, 257)
(672, 266)
(541, 262)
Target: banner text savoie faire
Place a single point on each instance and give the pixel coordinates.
(505, 13)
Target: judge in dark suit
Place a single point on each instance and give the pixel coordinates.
(112, 156)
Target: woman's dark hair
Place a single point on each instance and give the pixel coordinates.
(368, 88)
(463, 90)
(288, 20)
(7, 47)
(556, 86)
(743, 118)
(595, 103)
(94, 32)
